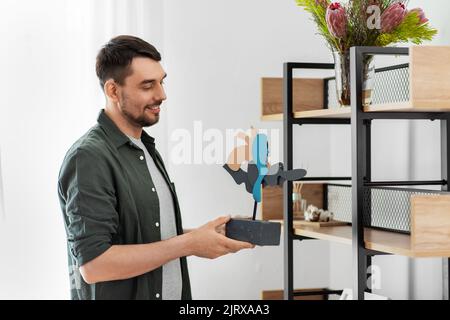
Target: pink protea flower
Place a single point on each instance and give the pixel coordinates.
(392, 17)
(420, 14)
(337, 20)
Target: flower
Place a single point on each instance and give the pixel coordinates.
(420, 14)
(392, 17)
(345, 24)
(336, 20)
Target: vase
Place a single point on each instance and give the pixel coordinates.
(342, 73)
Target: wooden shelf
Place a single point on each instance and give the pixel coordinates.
(429, 88)
(340, 234)
(332, 113)
(345, 112)
(378, 240)
(272, 117)
(398, 107)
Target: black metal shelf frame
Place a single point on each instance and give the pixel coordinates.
(360, 122)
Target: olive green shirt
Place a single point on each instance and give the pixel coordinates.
(106, 197)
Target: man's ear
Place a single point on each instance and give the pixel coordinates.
(111, 90)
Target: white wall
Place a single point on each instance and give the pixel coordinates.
(50, 97)
(2, 200)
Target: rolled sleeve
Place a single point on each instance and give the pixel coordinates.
(89, 202)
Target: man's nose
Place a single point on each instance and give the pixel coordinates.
(160, 93)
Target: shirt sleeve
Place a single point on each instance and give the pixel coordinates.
(88, 199)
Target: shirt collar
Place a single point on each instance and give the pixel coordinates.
(117, 136)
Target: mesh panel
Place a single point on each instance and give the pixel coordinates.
(340, 202)
(332, 96)
(390, 207)
(391, 86)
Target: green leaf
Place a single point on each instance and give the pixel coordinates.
(410, 30)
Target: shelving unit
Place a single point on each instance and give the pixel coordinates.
(428, 98)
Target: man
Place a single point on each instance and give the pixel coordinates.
(124, 233)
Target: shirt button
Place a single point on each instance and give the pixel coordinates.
(141, 158)
(157, 295)
(157, 224)
(153, 189)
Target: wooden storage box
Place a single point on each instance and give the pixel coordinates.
(430, 225)
(311, 97)
(278, 294)
(429, 81)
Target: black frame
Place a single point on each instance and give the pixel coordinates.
(360, 122)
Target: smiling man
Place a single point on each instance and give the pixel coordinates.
(124, 232)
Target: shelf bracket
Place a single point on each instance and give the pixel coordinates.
(370, 252)
(301, 238)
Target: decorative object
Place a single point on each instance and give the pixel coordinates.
(315, 214)
(297, 198)
(365, 23)
(259, 172)
(342, 74)
(317, 218)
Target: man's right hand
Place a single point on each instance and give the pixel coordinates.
(208, 241)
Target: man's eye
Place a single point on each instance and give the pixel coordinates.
(162, 82)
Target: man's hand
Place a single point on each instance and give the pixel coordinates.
(128, 261)
(209, 240)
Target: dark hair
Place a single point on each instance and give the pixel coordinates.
(114, 59)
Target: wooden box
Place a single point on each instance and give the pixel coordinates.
(311, 97)
(430, 225)
(272, 200)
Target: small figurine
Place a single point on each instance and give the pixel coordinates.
(315, 214)
(259, 173)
